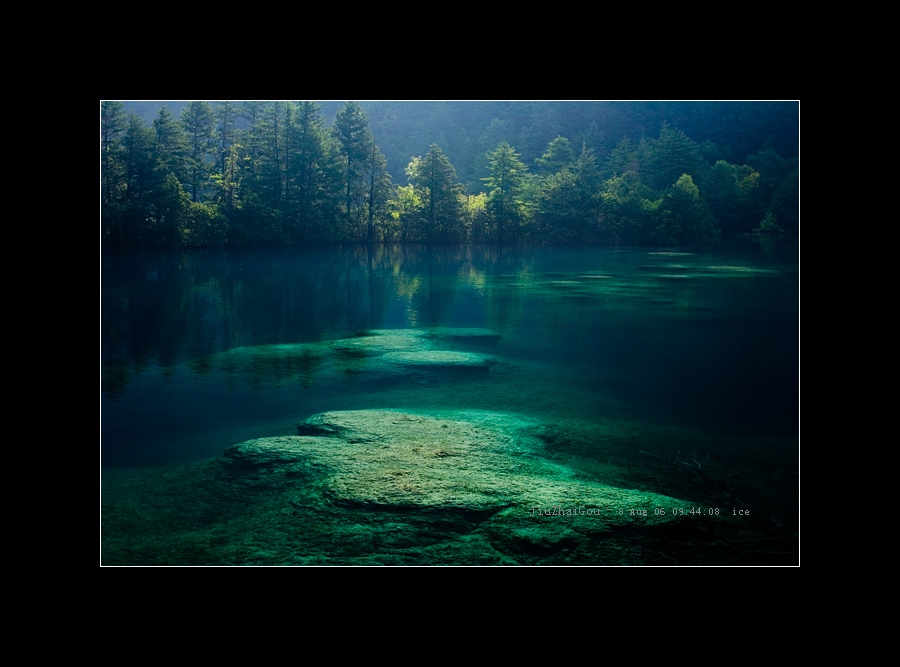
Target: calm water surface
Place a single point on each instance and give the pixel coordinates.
(706, 341)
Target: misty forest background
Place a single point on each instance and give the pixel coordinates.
(202, 174)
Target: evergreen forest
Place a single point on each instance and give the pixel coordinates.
(283, 173)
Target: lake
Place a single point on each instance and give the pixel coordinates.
(643, 380)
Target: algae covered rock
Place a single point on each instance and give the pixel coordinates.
(434, 359)
(371, 354)
(380, 341)
(473, 461)
(390, 487)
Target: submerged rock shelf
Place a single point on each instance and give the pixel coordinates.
(377, 353)
(414, 487)
(388, 487)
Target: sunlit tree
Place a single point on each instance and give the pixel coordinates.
(559, 153)
(435, 183)
(684, 217)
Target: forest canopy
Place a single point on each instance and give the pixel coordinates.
(200, 174)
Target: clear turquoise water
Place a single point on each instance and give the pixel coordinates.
(707, 341)
(657, 350)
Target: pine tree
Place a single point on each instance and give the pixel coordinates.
(139, 156)
(684, 217)
(311, 179)
(568, 203)
(113, 122)
(197, 119)
(270, 163)
(559, 153)
(135, 215)
(226, 113)
(171, 144)
(672, 155)
(505, 182)
(379, 182)
(252, 112)
(351, 131)
(435, 183)
(621, 159)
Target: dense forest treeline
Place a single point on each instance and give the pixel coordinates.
(281, 173)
